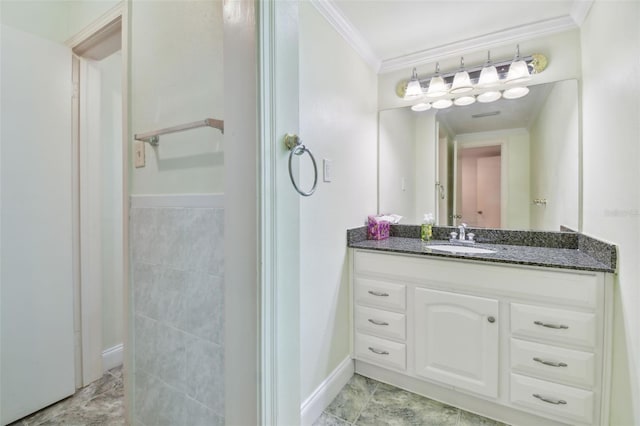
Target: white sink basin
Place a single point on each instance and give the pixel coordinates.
(461, 249)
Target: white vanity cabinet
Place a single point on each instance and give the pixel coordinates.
(524, 345)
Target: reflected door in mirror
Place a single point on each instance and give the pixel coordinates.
(479, 186)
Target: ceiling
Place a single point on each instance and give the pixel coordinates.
(385, 31)
(398, 34)
(512, 113)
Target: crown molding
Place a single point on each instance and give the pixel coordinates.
(344, 27)
(579, 10)
(522, 32)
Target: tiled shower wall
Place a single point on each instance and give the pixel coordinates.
(178, 307)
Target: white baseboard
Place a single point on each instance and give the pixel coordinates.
(320, 399)
(112, 357)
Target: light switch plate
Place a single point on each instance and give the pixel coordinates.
(327, 170)
(138, 154)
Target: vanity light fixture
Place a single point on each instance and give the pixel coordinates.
(489, 74)
(485, 83)
(414, 90)
(461, 81)
(437, 86)
(518, 70)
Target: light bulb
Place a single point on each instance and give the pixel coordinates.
(414, 90)
(461, 81)
(437, 86)
(489, 74)
(421, 107)
(442, 103)
(515, 92)
(518, 70)
(464, 100)
(487, 97)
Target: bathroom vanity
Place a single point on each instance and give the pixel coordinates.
(521, 335)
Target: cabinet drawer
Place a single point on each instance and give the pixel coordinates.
(381, 323)
(552, 362)
(554, 325)
(552, 399)
(380, 293)
(381, 351)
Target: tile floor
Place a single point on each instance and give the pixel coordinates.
(364, 401)
(99, 404)
(361, 402)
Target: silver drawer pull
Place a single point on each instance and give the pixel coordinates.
(378, 351)
(376, 322)
(551, 363)
(554, 401)
(378, 293)
(551, 325)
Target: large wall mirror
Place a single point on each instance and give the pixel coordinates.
(511, 164)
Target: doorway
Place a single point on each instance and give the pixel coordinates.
(479, 186)
(99, 129)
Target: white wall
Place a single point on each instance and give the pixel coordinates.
(397, 146)
(111, 189)
(610, 41)
(55, 20)
(407, 142)
(338, 120)
(517, 151)
(177, 78)
(425, 164)
(555, 159)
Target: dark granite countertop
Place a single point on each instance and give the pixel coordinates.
(582, 254)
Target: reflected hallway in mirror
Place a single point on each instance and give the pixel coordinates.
(536, 177)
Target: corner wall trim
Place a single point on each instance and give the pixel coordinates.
(112, 357)
(320, 399)
(516, 34)
(345, 28)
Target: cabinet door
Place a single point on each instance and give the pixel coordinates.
(456, 340)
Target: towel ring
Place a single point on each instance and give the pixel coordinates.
(294, 144)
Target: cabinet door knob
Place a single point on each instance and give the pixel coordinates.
(491, 320)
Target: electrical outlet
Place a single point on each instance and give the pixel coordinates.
(138, 154)
(327, 170)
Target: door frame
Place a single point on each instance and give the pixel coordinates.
(504, 173)
(112, 24)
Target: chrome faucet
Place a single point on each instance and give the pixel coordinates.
(462, 230)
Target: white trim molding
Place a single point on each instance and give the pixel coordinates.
(320, 399)
(346, 29)
(112, 357)
(210, 201)
(111, 15)
(579, 10)
(359, 43)
(515, 34)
